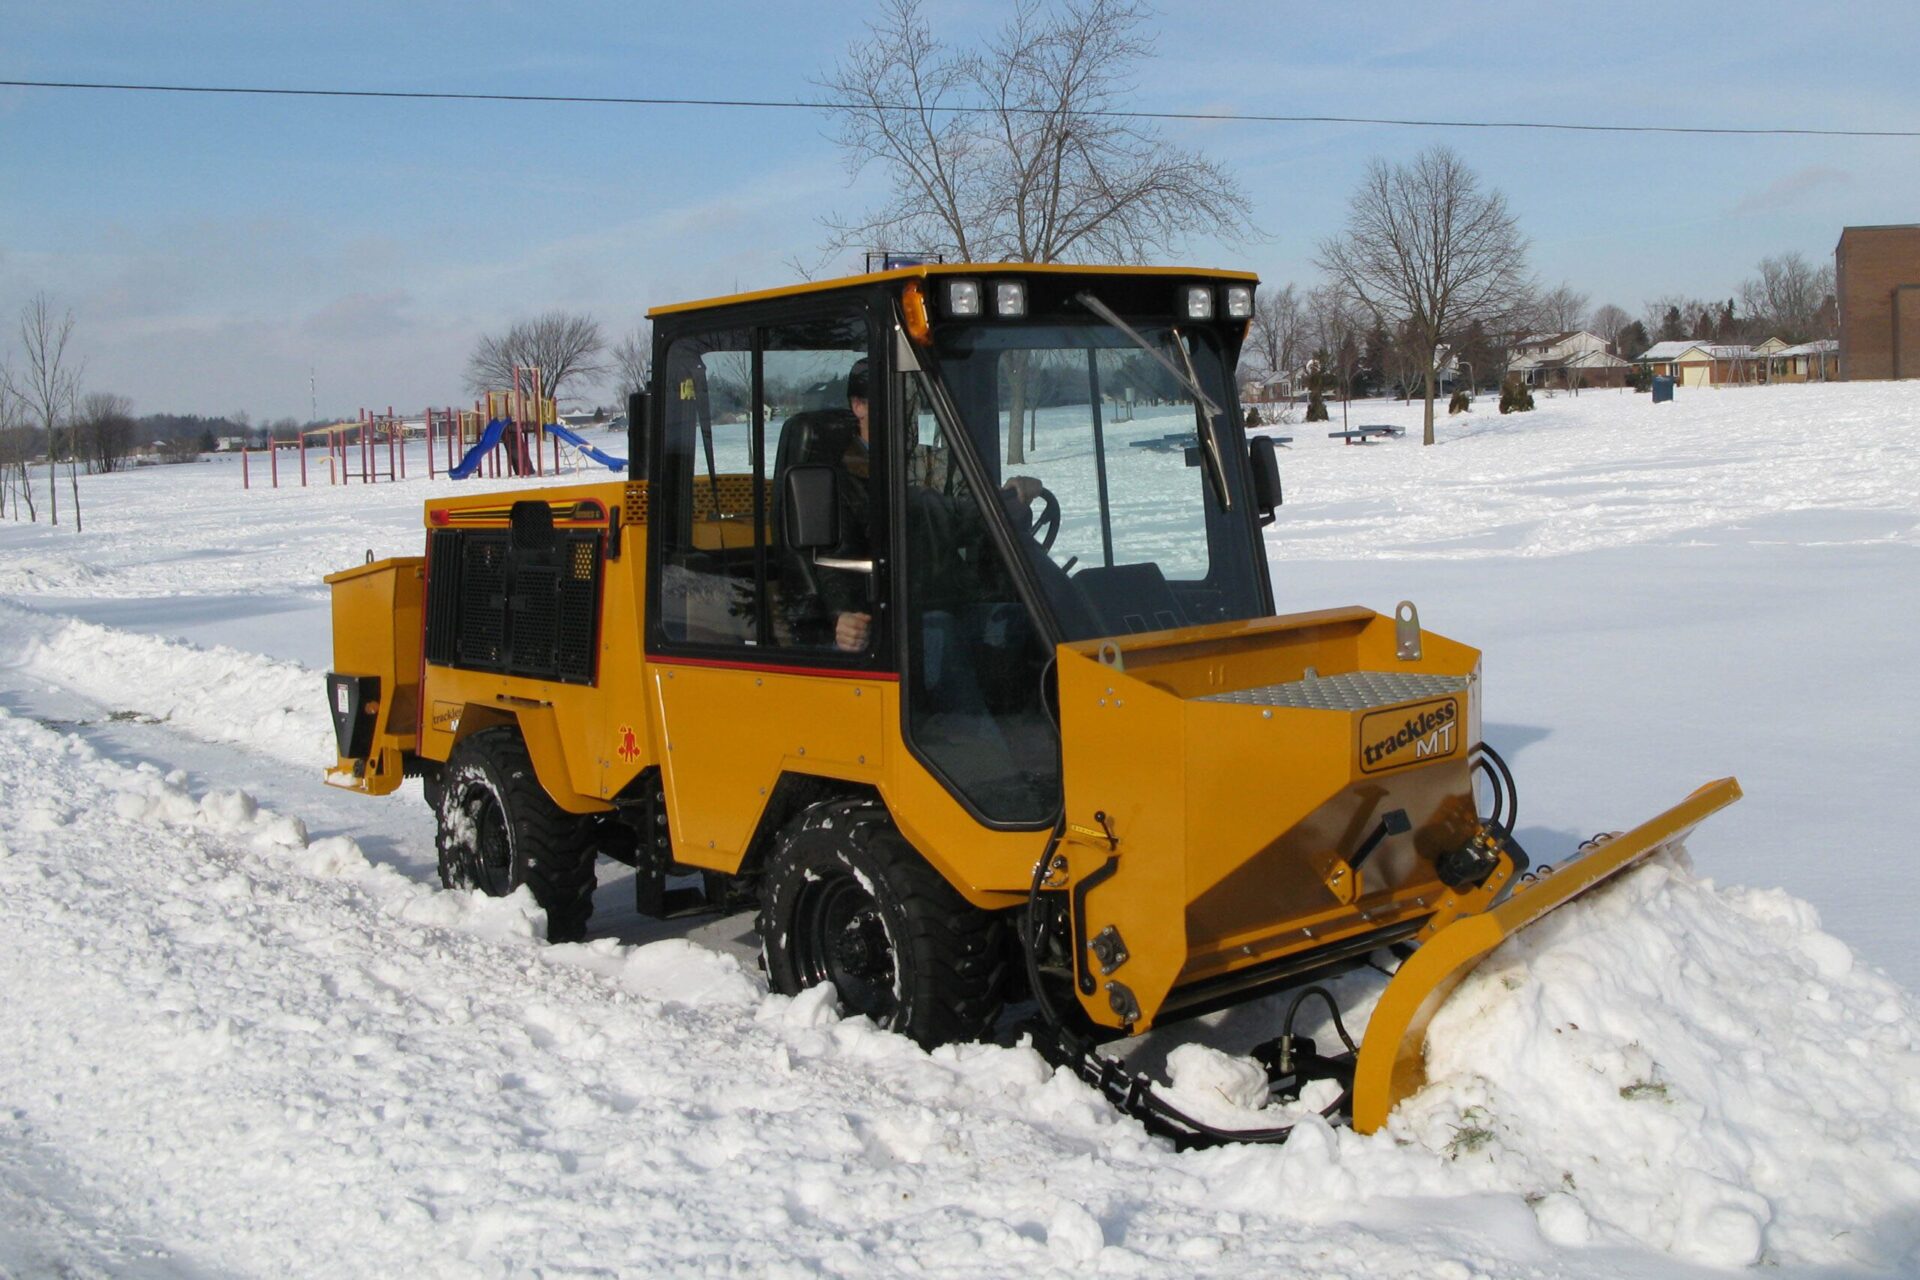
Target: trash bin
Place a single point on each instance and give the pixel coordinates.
(1662, 389)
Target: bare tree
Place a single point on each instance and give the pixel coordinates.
(1276, 332)
(1675, 318)
(1336, 325)
(633, 360)
(1788, 295)
(1000, 153)
(1019, 150)
(49, 384)
(1425, 245)
(1610, 322)
(1562, 309)
(103, 426)
(16, 449)
(563, 345)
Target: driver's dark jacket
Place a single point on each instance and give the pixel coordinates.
(947, 541)
(842, 590)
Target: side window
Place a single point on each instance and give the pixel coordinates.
(814, 383)
(715, 506)
(742, 407)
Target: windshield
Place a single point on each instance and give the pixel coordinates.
(1101, 444)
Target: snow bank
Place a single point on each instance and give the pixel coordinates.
(320, 1066)
(216, 695)
(1699, 1069)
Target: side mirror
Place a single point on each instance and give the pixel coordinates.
(811, 507)
(1264, 459)
(637, 434)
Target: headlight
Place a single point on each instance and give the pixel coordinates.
(1196, 302)
(1239, 301)
(963, 298)
(1009, 298)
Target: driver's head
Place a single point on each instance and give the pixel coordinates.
(857, 394)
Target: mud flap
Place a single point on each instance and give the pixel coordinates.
(1392, 1063)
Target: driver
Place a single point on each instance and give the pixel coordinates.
(846, 594)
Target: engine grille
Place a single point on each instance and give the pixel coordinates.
(1348, 691)
(523, 610)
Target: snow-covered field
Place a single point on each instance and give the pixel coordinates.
(244, 1033)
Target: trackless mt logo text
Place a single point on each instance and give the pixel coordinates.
(1409, 735)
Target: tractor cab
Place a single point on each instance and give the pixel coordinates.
(944, 473)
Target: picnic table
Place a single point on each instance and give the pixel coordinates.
(1169, 443)
(1366, 435)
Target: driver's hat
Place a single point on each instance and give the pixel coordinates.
(857, 380)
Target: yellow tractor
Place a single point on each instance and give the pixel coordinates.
(933, 617)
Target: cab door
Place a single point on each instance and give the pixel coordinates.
(754, 666)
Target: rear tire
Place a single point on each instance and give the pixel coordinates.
(845, 899)
(499, 829)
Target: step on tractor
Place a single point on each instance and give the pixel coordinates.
(891, 634)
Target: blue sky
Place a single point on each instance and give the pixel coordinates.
(213, 249)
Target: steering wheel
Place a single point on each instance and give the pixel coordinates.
(1046, 527)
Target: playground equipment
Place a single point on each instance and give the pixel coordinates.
(522, 421)
(350, 447)
(512, 432)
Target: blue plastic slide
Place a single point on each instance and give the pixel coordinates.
(488, 439)
(573, 438)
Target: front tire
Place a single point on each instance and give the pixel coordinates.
(499, 829)
(846, 900)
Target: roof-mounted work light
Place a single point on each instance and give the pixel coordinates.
(962, 299)
(1009, 298)
(1239, 304)
(1196, 302)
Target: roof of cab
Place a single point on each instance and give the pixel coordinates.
(924, 270)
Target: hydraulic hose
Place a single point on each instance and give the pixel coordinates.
(1132, 1092)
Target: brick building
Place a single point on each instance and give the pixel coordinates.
(1876, 272)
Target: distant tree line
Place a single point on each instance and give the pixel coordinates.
(1325, 341)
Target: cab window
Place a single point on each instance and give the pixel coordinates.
(742, 406)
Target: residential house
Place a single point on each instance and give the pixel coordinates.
(1710, 364)
(1575, 358)
(1809, 362)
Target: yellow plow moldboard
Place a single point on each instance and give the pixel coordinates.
(1393, 1055)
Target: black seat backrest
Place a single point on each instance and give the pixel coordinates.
(814, 435)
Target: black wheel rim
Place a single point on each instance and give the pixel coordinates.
(841, 937)
(488, 855)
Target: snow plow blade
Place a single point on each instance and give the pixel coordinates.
(1392, 1062)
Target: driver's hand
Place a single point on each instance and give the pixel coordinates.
(850, 631)
(1024, 488)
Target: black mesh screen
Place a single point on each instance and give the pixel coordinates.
(483, 592)
(518, 610)
(536, 619)
(573, 648)
(443, 596)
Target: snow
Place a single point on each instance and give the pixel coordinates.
(245, 1032)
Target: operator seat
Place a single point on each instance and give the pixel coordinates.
(813, 435)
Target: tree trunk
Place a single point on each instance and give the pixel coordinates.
(53, 483)
(1427, 436)
(1017, 409)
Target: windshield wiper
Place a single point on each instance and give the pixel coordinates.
(1205, 410)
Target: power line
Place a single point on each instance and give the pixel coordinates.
(762, 104)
